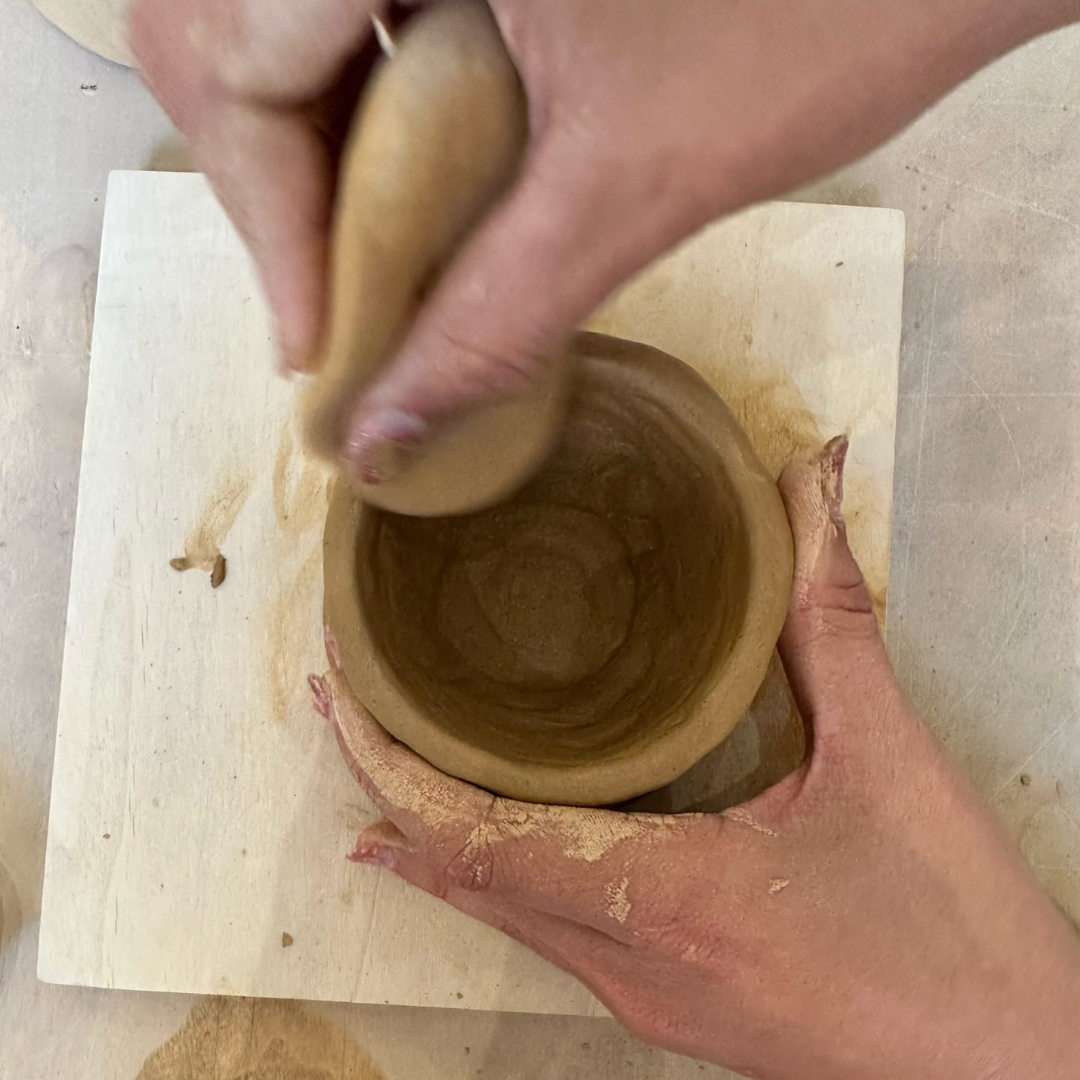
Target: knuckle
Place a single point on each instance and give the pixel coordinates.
(843, 599)
(682, 927)
(631, 1003)
(471, 868)
(471, 865)
(825, 616)
(487, 372)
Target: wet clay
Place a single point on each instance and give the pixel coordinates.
(438, 137)
(594, 635)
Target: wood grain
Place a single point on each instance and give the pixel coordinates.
(200, 810)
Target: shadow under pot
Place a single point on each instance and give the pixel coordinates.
(595, 635)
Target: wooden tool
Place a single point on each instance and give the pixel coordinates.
(200, 809)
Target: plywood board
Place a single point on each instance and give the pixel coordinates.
(200, 810)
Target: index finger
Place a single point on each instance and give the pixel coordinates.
(576, 863)
(237, 77)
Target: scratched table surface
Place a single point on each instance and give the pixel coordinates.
(984, 607)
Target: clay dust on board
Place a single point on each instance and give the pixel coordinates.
(245, 1038)
(202, 545)
(301, 491)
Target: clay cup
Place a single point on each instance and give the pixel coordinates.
(593, 636)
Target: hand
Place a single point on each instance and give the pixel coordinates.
(647, 120)
(865, 918)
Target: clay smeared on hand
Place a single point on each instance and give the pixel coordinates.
(438, 138)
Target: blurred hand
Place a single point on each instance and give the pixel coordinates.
(865, 919)
(647, 120)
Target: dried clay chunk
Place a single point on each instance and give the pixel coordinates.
(438, 137)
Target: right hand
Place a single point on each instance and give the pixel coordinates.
(648, 119)
(865, 919)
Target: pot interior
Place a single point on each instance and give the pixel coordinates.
(586, 616)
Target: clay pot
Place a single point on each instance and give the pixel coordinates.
(596, 634)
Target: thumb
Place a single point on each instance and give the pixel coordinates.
(534, 269)
(830, 646)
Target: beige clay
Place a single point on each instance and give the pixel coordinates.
(593, 636)
(438, 137)
(98, 25)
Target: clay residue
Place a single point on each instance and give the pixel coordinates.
(218, 572)
(590, 834)
(290, 637)
(301, 487)
(744, 817)
(202, 545)
(618, 904)
(773, 413)
(577, 833)
(300, 491)
(246, 1039)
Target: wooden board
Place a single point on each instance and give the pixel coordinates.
(200, 810)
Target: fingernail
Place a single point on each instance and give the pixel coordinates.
(382, 445)
(834, 458)
(372, 855)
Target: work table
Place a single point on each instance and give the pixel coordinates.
(984, 602)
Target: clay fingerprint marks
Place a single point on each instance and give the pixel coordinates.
(202, 545)
(244, 1039)
(301, 493)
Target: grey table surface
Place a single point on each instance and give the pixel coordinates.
(984, 606)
